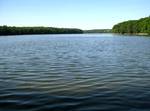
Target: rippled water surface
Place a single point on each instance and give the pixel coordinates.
(95, 72)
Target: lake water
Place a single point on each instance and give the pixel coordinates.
(83, 72)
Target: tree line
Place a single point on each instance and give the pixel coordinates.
(141, 26)
(11, 30)
(98, 31)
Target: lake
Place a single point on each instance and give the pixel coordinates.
(82, 72)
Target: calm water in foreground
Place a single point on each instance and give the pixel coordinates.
(99, 72)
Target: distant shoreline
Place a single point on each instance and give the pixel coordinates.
(12, 30)
(125, 34)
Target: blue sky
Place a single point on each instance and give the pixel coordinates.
(84, 14)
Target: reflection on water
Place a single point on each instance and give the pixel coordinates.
(74, 72)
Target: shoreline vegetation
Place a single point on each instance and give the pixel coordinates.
(131, 27)
(98, 31)
(12, 30)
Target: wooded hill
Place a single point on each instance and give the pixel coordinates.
(141, 26)
(7, 30)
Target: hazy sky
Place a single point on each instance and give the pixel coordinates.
(84, 14)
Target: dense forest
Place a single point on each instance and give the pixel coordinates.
(7, 30)
(98, 31)
(141, 26)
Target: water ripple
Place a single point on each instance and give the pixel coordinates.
(74, 73)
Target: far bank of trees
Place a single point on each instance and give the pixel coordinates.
(7, 30)
(133, 27)
(98, 31)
